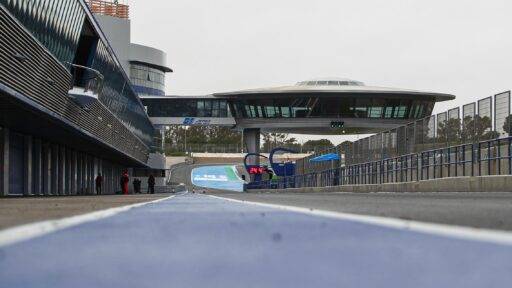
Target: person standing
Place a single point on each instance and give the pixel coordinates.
(151, 184)
(136, 186)
(124, 182)
(99, 183)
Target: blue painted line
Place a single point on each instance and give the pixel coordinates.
(198, 241)
(217, 177)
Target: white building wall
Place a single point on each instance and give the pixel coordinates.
(117, 31)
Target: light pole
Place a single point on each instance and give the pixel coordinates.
(186, 139)
(242, 144)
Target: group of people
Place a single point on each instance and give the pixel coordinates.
(125, 180)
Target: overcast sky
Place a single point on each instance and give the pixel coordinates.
(461, 47)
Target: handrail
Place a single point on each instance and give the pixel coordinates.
(81, 78)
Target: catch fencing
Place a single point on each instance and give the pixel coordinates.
(484, 158)
(486, 119)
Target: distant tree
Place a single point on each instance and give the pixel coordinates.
(275, 140)
(449, 131)
(473, 129)
(507, 126)
(201, 137)
(223, 136)
(479, 128)
(312, 145)
(468, 129)
(483, 128)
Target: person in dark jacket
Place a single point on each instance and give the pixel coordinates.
(99, 183)
(136, 185)
(151, 184)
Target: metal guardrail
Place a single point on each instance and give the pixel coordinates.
(87, 78)
(491, 157)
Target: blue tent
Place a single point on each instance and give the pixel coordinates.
(326, 157)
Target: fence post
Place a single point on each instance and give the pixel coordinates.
(509, 150)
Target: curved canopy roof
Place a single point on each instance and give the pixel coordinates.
(338, 86)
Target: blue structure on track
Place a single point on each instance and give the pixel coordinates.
(282, 169)
(217, 177)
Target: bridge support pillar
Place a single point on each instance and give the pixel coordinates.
(252, 144)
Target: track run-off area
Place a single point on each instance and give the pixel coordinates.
(196, 240)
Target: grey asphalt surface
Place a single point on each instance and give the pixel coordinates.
(198, 241)
(19, 211)
(481, 210)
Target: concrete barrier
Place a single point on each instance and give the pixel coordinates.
(453, 184)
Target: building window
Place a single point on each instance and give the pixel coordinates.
(147, 80)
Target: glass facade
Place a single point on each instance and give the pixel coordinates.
(332, 107)
(119, 97)
(186, 108)
(58, 26)
(147, 80)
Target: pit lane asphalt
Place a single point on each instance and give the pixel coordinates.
(480, 210)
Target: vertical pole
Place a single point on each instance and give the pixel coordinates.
(4, 161)
(509, 151)
(464, 160)
(488, 157)
(27, 167)
(185, 138)
(73, 173)
(242, 143)
(90, 177)
(69, 160)
(83, 174)
(46, 168)
(38, 167)
(79, 179)
(62, 170)
(55, 170)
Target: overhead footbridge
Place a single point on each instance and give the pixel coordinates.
(334, 106)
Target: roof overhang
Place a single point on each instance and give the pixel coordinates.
(176, 97)
(159, 67)
(337, 91)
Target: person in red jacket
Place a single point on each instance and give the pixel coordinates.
(124, 182)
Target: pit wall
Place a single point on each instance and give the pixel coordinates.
(453, 184)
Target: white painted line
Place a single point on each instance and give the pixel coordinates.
(25, 232)
(453, 231)
(236, 173)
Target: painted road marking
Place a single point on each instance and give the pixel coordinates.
(460, 232)
(25, 232)
(223, 177)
